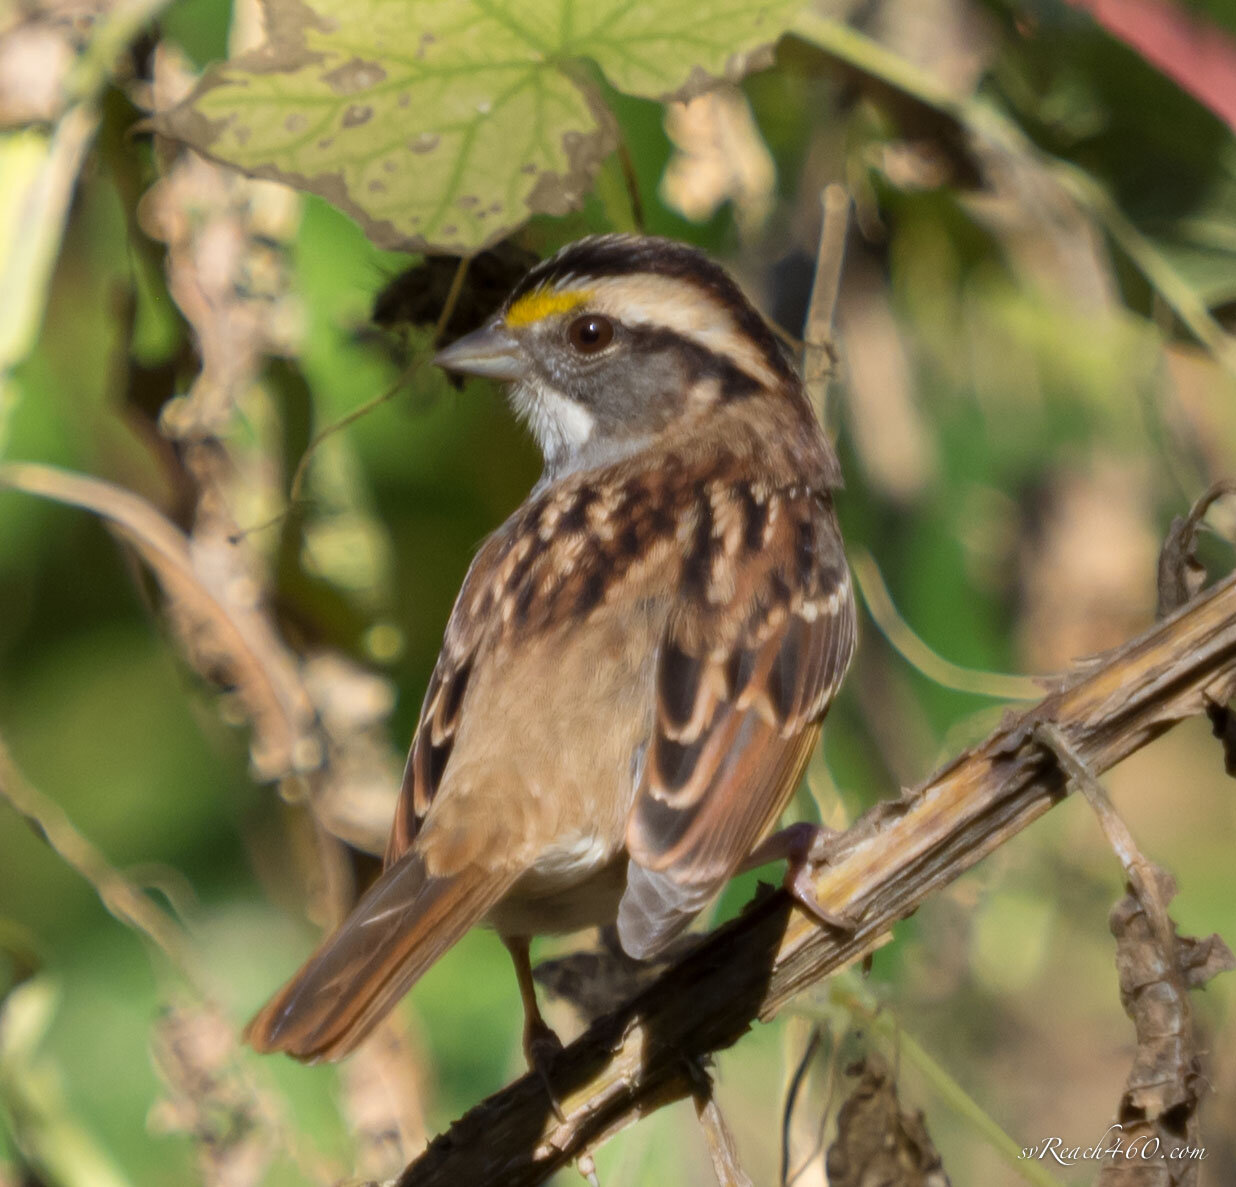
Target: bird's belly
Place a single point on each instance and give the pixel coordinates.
(574, 885)
(553, 779)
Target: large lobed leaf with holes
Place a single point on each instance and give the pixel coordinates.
(442, 124)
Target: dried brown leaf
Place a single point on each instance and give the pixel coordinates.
(1157, 1114)
(1181, 574)
(878, 1142)
(719, 157)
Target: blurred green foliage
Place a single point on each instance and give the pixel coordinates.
(1037, 373)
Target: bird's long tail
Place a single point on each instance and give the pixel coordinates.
(404, 922)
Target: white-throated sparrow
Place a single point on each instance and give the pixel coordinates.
(640, 658)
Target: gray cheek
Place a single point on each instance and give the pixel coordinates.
(633, 395)
(628, 391)
(556, 370)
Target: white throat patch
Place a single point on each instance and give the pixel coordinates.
(562, 427)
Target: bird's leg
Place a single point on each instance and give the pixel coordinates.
(541, 1044)
(804, 847)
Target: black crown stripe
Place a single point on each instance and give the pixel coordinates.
(624, 255)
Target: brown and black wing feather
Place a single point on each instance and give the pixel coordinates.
(751, 660)
(431, 746)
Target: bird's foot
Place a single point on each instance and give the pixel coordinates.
(805, 847)
(541, 1047)
(800, 882)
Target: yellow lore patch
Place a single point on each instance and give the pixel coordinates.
(542, 303)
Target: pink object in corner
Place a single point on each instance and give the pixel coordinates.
(1196, 54)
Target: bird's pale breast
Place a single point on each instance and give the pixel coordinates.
(547, 756)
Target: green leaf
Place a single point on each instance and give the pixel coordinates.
(443, 124)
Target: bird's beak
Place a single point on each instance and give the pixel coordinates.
(491, 351)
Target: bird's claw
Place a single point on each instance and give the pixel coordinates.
(541, 1047)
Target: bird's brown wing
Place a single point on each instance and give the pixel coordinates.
(434, 738)
(752, 657)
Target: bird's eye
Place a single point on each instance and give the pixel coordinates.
(591, 333)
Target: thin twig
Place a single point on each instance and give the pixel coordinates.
(299, 475)
(720, 1141)
(1137, 868)
(627, 164)
(405, 377)
(260, 664)
(820, 354)
(1156, 969)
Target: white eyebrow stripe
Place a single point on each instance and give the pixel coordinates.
(646, 299)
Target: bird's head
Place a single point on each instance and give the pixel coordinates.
(616, 338)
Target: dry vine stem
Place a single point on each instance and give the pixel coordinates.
(633, 1060)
